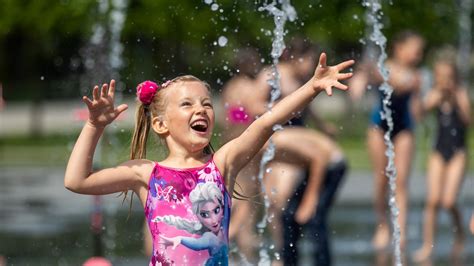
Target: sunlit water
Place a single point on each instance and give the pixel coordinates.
(377, 37)
(280, 17)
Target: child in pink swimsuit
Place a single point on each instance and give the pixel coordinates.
(196, 236)
(185, 196)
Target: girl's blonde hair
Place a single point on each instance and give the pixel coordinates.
(145, 114)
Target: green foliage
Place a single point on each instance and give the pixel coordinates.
(42, 40)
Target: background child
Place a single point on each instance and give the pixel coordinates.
(308, 200)
(447, 161)
(296, 65)
(405, 79)
(312, 194)
(181, 113)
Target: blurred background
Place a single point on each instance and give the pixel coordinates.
(53, 52)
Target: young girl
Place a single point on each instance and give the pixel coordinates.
(407, 52)
(181, 112)
(305, 202)
(447, 161)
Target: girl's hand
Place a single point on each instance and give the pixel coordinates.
(325, 77)
(170, 241)
(101, 107)
(437, 96)
(306, 210)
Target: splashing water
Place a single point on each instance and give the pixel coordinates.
(376, 36)
(280, 16)
(116, 21)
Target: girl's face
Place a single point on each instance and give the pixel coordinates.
(210, 215)
(410, 51)
(445, 76)
(189, 115)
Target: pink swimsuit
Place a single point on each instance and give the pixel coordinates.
(188, 213)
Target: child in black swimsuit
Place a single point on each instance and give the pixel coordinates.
(447, 161)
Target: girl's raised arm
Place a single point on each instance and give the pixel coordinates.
(241, 150)
(79, 177)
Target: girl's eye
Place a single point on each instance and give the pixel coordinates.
(204, 214)
(185, 104)
(208, 105)
(217, 210)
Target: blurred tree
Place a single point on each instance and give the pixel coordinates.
(40, 41)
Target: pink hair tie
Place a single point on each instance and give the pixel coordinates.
(146, 91)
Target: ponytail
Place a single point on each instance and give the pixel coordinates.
(140, 133)
(139, 140)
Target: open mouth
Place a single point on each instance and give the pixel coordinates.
(199, 126)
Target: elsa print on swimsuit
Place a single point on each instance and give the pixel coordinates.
(208, 206)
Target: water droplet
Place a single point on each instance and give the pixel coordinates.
(208, 2)
(222, 41)
(214, 7)
(42, 77)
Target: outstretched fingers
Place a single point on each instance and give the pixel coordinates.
(344, 65)
(328, 91)
(103, 91)
(336, 84)
(343, 76)
(322, 60)
(112, 89)
(95, 93)
(120, 109)
(87, 101)
(340, 86)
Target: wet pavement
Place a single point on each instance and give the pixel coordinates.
(41, 223)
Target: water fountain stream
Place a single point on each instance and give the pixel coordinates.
(280, 16)
(373, 18)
